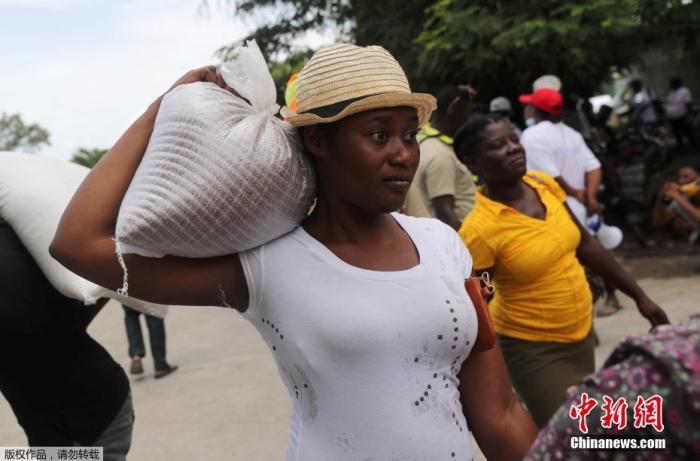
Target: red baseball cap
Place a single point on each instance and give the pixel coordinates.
(545, 99)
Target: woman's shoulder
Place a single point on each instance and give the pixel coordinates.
(540, 177)
(480, 227)
(481, 218)
(433, 230)
(284, 242)
(435, 234)
(541, 181)
(413, 223)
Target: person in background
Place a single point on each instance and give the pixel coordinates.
(641, 103)
(663, 363)
(602, 138)
(444, 184)
(677, 205)
(501, 106)
(414, 204)
(678, 104)
(630, 180)
(523, 234)
(584, 115)
(570, 115)
(560, 149)
(156, 336)
(556, 149)
(63, 386)
(547, 81)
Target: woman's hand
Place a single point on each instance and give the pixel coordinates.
(652, 312)
(592, 206)
(669, 189)
(203, 74)
(673, 193)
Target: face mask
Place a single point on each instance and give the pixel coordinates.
(530, 122)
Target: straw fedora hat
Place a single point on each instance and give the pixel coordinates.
(343, 79)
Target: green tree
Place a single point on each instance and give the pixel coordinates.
(292, 18)
(503, 46)
(363, 22)
(15, 134)
(88, 157)
(499, 47)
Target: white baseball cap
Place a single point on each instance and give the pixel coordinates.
(547, 81)
(500, 104)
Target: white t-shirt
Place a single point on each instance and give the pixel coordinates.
(677, 103)
(559, 150)
(370, 358)
(642, 107)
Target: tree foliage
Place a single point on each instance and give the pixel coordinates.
(289, 19)
(503, 46)
(88, 157)
(498, 47)
(282, 70)
(15, 134)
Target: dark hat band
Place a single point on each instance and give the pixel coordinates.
(331, 110)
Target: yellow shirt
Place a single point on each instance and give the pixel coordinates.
(541, 289)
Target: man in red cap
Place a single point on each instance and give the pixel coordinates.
(560, 151)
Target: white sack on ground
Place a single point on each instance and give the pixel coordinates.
(219, 175)
(34, 192)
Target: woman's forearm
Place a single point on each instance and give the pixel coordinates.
(500, 424)
(688, 207)
(592, 255)
(567, 187)
(522, 433)
(593, 179)
(92, 212)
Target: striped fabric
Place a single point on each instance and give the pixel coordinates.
(350, 79)
(376, 72)
(216, 179)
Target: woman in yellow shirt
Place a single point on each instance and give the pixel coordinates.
(522, 232)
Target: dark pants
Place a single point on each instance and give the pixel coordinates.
(156, 335)
(542, 371)
(116, 439)
(683, 127)
(81, 387)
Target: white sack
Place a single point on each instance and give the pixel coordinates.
(34, 192)
(219, 175)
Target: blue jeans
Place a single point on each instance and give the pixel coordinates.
(116, 439)
(156, 335)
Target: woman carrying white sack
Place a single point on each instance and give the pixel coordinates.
(364, 309)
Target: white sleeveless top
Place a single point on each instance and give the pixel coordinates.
(370, 358)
